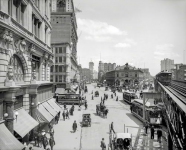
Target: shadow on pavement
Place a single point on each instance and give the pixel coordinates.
(122, 101)
(136, 120)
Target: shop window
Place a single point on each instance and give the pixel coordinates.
(19, 102)
(35, 65)
(17, 69)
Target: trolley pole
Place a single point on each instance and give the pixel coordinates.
(143, 108)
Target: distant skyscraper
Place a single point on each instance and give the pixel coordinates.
(91, 67)
(167, 64)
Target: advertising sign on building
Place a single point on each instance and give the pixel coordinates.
(54, 5)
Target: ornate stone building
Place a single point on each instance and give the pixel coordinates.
(125, 75)
(25, 60)
(64, 43)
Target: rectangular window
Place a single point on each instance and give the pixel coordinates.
(51, 78)
(51, 68)
(136, 75)
(60, 50)
(60, 59)
(60, 68)
(35, 65)
(22, 14)
(64, 78)
(10, 7)
(56, 60)
(56, 50)
(56, 79)
(64, 50)
(64, 59)
(60, 78)
(56, 68)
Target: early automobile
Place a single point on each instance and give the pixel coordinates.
(86, 119)
(120, 141)
(96, 94)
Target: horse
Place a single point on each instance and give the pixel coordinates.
(105, 112)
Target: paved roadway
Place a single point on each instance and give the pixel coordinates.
(88, 138)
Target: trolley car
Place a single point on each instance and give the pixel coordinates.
(128, 96)
(164, 77)
(153, 113)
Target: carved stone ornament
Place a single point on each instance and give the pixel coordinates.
(34, 75)
(45, 56)
(6, 38)
(10, 72)
(31, 48)
(20, 46)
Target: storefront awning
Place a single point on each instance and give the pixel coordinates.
(50, 109)
(45, 113)
(7, 140)
(40, 118)
(60, 91)
(52, 103)
(24, 123)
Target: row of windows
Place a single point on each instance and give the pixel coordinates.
(60, 59)
(126, 75)
(60, 50)
(17, 10)
(58, 68)
(58, 78)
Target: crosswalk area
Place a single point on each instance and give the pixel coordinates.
(144, 142)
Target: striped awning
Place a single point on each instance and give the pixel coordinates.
(45, 113)
(55, 106)
(50, 109)
(7, 140)
(24, 123)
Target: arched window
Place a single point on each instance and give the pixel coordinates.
(18, 72)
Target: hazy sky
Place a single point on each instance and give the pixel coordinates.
(140, 32)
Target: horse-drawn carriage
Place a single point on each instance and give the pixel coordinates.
(96, 94)
(120, 141)
(86, 120)
(101, 110)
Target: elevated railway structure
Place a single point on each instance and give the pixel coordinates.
(174, 99)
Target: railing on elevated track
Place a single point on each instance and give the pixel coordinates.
(175, 114)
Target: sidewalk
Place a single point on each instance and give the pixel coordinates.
(144, 142)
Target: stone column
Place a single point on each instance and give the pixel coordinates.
(33, 105)
(26, 102)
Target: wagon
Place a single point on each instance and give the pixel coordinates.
(86, 120)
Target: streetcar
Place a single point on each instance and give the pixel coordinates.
(70, 98)
(153, 113)
(164, 77)
(128, 96)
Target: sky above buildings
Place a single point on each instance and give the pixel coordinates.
(140, 32)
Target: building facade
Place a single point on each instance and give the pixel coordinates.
(64, 43)
(86, 74)
(167, 64)
(179, 72)
(91, 67)
(25, 61)
(95, 75)
(124, 76)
